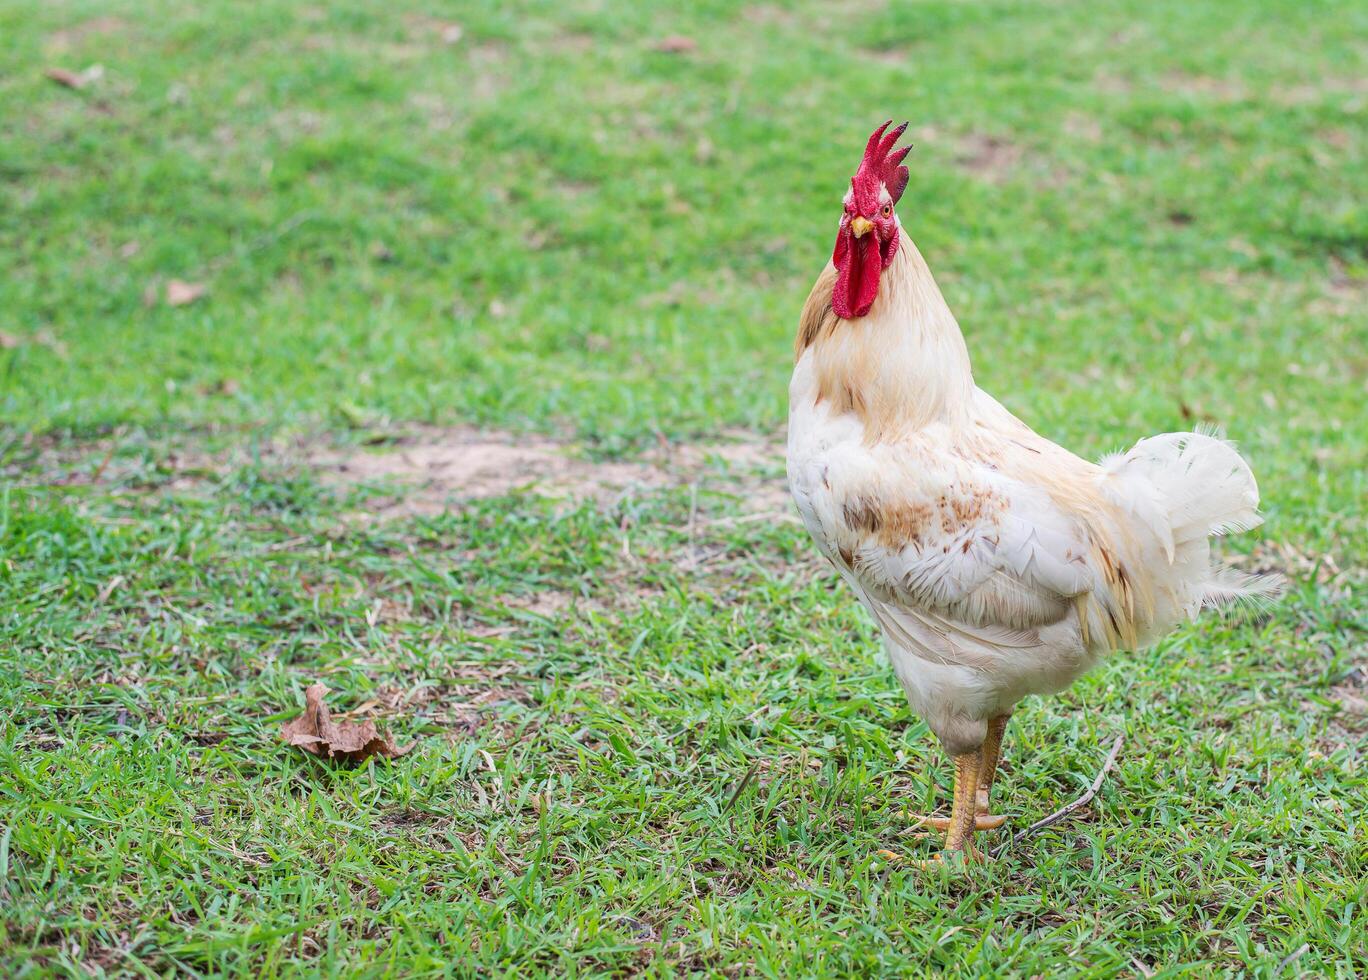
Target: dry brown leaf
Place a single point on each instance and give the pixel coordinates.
(179, 293)
(66, 77)
(676, 44)
(315, 732)
(75, 79)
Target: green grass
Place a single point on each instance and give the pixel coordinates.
(1145, 214)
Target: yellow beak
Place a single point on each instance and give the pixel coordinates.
(861, 226)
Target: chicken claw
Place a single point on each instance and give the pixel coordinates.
(982, 821)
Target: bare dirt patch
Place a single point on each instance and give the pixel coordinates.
(440, 113)
(67, 38)
(1352, 89)
(715, 488)
(489, 62)
(1205, 86)
(1082, 127)
(989, 157)
(438, 467)
(433, 30)
(119, 463)
(1347, 721)
(574, 42)
(548, 603)
(430, 469)
(1111, 84)
(770, 15)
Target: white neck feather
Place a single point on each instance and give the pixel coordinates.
(903, 366)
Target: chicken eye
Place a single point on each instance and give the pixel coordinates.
(886, 210)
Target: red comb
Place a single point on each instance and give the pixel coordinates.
(882, 164)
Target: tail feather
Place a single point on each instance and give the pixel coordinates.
(1206, 485)
(1229, 588)
(1195, 485)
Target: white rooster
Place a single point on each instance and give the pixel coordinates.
(996, 563)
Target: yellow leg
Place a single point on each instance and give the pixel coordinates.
(963, 820)
(960, 837)
(992, 755)
(975, 773)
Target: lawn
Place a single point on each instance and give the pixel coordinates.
(274, 277)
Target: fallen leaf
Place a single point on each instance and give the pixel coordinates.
(75, 79)
(9, 341)
(676, 44)
(65, 76)
(315, 732)
(450, 33)
(179, 293)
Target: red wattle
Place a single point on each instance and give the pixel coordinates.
(858, 264)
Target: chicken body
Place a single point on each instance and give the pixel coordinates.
(996, 563)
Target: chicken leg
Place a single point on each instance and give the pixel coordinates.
(989, 755)
(964, 817)
(959, 837)
(992, 755)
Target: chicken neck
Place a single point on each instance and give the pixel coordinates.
(903, 366)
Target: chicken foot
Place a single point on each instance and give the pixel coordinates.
(989, 755)
(963, 821)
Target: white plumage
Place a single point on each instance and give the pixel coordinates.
(996, 563)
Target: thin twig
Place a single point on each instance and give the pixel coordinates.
(1069, 808)
(1294, 956)
(104, 463)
